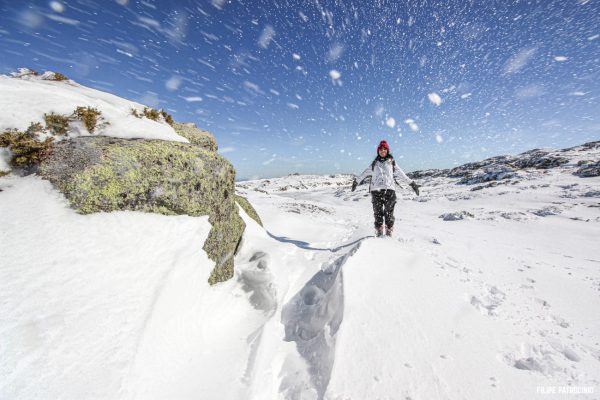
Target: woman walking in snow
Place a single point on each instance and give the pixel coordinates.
(383, 172)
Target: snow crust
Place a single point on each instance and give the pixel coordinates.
(25, 100)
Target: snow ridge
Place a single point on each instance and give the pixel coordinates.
(312, 319)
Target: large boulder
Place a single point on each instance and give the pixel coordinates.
(109, 174)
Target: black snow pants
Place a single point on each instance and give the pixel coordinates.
(383, 207)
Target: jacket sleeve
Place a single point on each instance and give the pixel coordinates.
(366, 173)
(399, 174)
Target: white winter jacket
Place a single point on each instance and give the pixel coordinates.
(383, 175)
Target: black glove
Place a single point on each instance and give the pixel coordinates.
(354, 185)
(415, 187)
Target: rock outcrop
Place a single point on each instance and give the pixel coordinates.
(109, 174)
(588, 169)
(501, 169)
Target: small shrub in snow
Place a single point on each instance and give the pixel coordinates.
(135, 113)
(35, 129)
(26, 150)
(56, 123)
(167, 117)
(89, 116)
(153, 114)
(57, 76)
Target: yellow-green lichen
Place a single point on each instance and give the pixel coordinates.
(247, 207)
(196, 136)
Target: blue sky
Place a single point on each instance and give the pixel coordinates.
(312, 86)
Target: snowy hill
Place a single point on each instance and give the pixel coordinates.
(487, 293)
(28, 96)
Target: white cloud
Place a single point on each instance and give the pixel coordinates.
(560, 58)
(390, 122)
(296, 56)
(224, 150)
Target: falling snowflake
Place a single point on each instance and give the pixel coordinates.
(435, 98)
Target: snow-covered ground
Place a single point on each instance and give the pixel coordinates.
(26, 98)
(501, 304)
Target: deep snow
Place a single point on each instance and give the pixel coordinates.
(500, 304)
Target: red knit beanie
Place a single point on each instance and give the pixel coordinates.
(383, 144)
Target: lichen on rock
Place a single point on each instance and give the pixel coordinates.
(171, 178)
(196, 136)
(247, 207)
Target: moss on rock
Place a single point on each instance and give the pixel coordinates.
(196, 136)
(247, 207)
(171, 178)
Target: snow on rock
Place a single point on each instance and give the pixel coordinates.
(588, 169)
(456, 216)
(26, 97)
